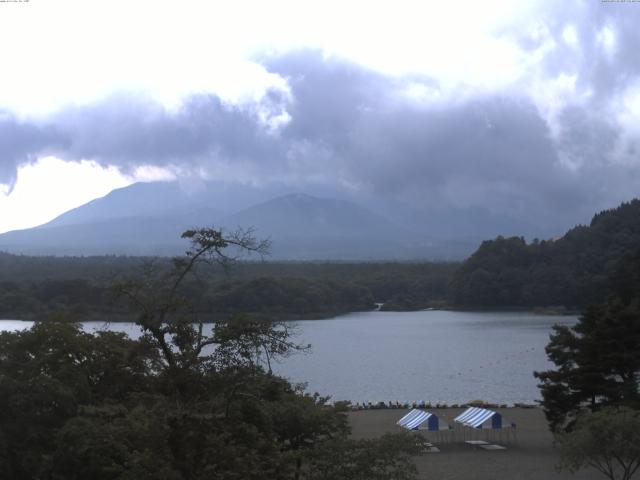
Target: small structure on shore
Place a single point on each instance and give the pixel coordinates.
(424, 421)
(416, 418)
(477, 419)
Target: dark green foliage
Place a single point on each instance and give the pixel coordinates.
(608, 440)
(570, 271)
(48, 373)
(78, 406)
(597, 360)
(282, 296)
(344, 459)
(80, 288)
(180, 403)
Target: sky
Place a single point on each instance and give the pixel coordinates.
(529, 110)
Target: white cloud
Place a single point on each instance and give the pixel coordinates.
(52, 186)
(570, 36)
(607, 39)
(72, 51)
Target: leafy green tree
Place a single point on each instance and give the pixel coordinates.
(48, 373)
(598, 359)
(165, 312)
(344, 459)
(607, 440)
(112, 443)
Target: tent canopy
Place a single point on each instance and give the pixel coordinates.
(415, 418)
(476, 417)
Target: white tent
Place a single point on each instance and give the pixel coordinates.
(476, 417)
(427, 423)
(415, 419)
(483, 419)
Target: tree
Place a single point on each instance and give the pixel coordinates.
(182, 402)
(598, 359)
(48, 375)
(344, 459)
(607, 440)
(164, 310)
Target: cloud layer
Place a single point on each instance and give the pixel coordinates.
(561, 142)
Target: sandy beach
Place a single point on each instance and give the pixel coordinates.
(530, 457)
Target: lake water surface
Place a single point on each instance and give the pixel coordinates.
(434, 355)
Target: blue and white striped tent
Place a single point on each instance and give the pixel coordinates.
(416, 418)
(484, 422)
(476, 417)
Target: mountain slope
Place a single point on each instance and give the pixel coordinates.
(131, 235)
(308, 215)
(306, 227)
(147, 219)
(141, 219)
(157, 199)
(137, 200)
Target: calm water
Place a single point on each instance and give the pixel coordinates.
(430, 355)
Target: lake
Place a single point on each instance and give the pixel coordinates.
(436, 356)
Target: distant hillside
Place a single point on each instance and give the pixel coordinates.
(304, 227)
(166, 199)
(138, 200)
(79, 287)
(148, 219)
(570, 271)
(131, 235)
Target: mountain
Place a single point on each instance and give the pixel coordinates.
(137, 200)
(162, 199)
(129, 235)
(148, 218)
(572, 270)
(307, 227)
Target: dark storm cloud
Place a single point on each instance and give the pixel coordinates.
(586, 138)
(20, 143)
(127, 132)
(493, 151)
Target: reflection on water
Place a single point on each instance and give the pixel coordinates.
(429, 355)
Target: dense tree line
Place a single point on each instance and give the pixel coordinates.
(288, 296)
(379, 275)
(80, 287)
(570, 271)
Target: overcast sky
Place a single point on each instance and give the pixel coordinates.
(526, 109)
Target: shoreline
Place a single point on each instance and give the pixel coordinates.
(357, 406)
(329, 315)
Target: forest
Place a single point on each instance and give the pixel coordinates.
(81, 287)
(570, 271)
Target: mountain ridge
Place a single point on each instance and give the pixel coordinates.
(301, 227)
